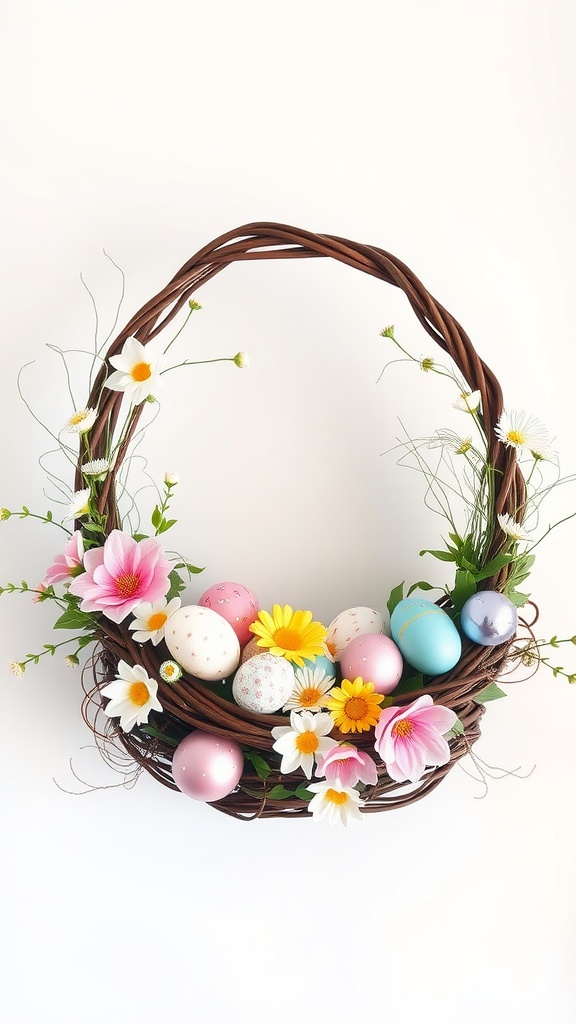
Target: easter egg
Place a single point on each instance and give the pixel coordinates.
(489, 618)
(376, 659)
(207, 767)
(426, 636)
(251, 650)
(235, 603)
(321, 662)
(349, 624)
(202, 642)
(263, 683)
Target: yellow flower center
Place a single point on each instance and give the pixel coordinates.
(77, 418)
(335, 797)
(138, 693)
(307, 742)
(127, 584)
(309, 696)
(169, 670)
(141, 371)
(516, 437)
(288, 639)
(403, 728)
(157, 620)
(356, 708)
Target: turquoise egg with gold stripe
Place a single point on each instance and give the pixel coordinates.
(426, 636)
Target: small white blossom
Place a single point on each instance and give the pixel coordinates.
(81, 422)
(132, 696)
(18, 668)
(468, 401)
(516, 429)
(513, 529)
(242, 359)
(98, 468)
(79, 505)
(137, 370)
(171, 479)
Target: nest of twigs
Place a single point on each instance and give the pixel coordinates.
(191, 704)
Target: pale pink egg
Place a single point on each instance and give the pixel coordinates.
(376, 659)
(207, 767)
(235, 603)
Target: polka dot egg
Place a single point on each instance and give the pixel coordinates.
(263, 684)
(202, 642)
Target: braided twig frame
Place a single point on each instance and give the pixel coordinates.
(189, 704)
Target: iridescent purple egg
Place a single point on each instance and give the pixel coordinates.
(489, 618)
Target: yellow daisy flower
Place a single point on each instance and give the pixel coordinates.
(290, 635)
(354, 705)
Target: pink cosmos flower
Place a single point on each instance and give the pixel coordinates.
(66, 564)
(348, 765)
(412, 738)
(39, 591)
(121, 575)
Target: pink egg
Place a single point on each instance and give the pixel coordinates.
(376, 659)
(207, 767)
(236, 604)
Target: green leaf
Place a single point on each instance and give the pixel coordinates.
(444, 556)
(518, 599)
(166, 524)
(490, 692)
(83, 641)
(140, 536)
(177, 585)
(156, 518)
(73, 618)
(457, 729)
(396, 595)
(421, 585)
(415, 682)
(554, 642)
(303, 793)
(464, 587)
(261, 767)
(494, 566)
(280, 793)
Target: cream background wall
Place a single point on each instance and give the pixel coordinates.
(444, 133)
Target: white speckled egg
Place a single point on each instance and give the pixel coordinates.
(350, 624)
(202, 642)
(263, 683)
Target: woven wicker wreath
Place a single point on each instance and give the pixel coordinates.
(188, 704)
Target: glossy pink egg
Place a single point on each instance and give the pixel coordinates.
(376, 659)
(235, 603)
(207, 767)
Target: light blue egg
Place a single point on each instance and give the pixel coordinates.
(322, 662)
(426, 636)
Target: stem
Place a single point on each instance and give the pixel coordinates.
(199, 362)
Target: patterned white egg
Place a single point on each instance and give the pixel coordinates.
(349, 624)
(202, 642)
(263, 683)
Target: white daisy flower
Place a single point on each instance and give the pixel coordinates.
(150, 619)
(79, 505)
(516, 429)
(310, 686)
(80, 422)
(136, 370)
(170, 671)
(304, 741)
(513, 529)
(98, 468)
(132, 696)
(334, 801)
(468, 401)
